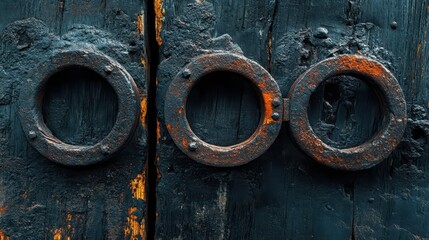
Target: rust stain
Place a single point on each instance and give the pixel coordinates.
(138, 186)
(185, 143)
(159, 15)
(143, 111)
(135, 229)
(3, 236)
(355, 63)
(2, 210)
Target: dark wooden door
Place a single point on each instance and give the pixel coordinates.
(87, 69)
(285, 194)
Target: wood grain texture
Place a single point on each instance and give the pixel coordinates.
(43, 200)
(284, 194)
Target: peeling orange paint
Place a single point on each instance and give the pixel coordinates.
(61, 233)
(158, 130)
(135, 229)
(3, 236)
(159, 15)
(138, 186)
(58, 233)
(140, 24)
(143, 111)
(143, 62)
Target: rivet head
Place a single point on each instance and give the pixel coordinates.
(105, 149)
(32, 134)
(193, 146)
(275, 116)
(108, 69)
(276, 102)
(186, 73)
(394, 25)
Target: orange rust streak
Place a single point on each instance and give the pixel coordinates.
(134, 228)
(3, 210)
(143, 111)
(185, 143)
(138, 186)
(159, 15)
(352, 62)
(268, 99)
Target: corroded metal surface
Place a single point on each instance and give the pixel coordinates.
(391, 97)
(219, 156)
(39, 135)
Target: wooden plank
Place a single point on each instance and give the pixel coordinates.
(391, 200)
(43, 200)
(282, 194)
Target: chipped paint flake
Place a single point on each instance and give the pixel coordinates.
(159, 16)
(140, 24)
(158, 130)
(58, 234)
(3, 236)
(64, 233)
(143, 111)
(135, 229)
(138, 187)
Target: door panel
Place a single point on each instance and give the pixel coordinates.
(284, 194)
(41, 199)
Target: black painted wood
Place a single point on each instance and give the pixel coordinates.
(43, 200)
(284, 194)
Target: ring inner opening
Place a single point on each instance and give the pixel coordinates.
(79, 106)
(223, 108)
(345, 111)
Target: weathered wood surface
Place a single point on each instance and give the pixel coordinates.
(284, 194)
(43, 200)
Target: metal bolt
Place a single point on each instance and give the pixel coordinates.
(105, 149)
(275, 116)
(32, 134)
(276, 102)
(186, 73)
(108, 69)
(321, 32)
(193, 146)
(394, 25)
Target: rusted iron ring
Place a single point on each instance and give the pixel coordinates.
(220, 156)
(390, 95)
(39, 135)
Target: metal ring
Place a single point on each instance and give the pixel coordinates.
(374, 150)
(39, 135)
(220, 156)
